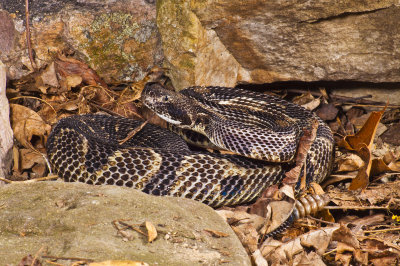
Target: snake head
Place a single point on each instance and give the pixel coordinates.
(171, 106)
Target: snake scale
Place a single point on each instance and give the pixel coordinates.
(262, 130)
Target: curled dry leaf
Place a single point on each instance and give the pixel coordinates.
(238, 218)
(327, 111)
(248, 235)
(281, 210)
(366, 134)
(362, 178)
(49, 76)
(307, 101)
(26, 123)
(381, 253)
(29, 158)
(66, 67)
(245, 226)
(392, 135)
(344, 235)
(350, 162)
(311, 258)
(151, 231)
(342, 254)
(73, 81)
(119, 263)
(30, 260)
(362, 144)
(380, 166)
(275, 251)
(258, 259)
(360, 121)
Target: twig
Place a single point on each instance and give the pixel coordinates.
(112, 112)
(378, 105)
(65, 258)
(36, 255)
(133, 133)
(383, 230)
(329, 252)
(380, 240)
(129, 226)
(36, 98)
(105, 109)
(50, 177)
(320, 220)
(53, 263)
(28, 35)
(356, 208)
(47, 163)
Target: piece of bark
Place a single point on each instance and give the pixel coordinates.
(6, 134)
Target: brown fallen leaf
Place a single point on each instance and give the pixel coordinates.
(280, 209)
(307, 101)
(248, 236)
(73, 81)
(365, 135)
(151, 231)
(277, 252)
(348, 242)
(26, 123)
(68, 67)
(305, 142)
(49, 76)
(29, 261)
(362, 144)
(380, 252)
(379, 166)
(327, 111)
(391, 135)
(29, 158)
(344, 235)
(311, 258)
(362, 178)
(343, 259)
(350, 162)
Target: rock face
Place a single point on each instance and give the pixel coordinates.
(210, 42)
(118, 39)
(75, 220)
(6, 133)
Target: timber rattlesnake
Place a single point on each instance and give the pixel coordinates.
(259, 127)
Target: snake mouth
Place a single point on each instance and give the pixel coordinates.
(169, 120)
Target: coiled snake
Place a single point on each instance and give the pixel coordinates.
(263, 130)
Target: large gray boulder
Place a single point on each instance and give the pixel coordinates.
(75, 220)
(225, 42)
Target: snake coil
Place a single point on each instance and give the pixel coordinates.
(262, 130)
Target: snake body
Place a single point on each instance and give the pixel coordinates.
(262, 130)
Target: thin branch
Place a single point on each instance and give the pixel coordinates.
(133, 133)
(65, 258)
(28, 35)
(356, 208)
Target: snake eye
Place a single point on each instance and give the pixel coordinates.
(165, 98)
